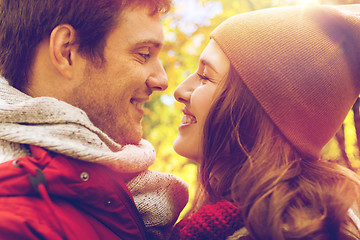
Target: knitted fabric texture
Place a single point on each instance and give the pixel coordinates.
(301, 64)
(62, 128)
(214, 221)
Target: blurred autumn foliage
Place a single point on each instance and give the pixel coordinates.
(187, 27)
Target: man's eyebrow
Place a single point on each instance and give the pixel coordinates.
(207, 63)
(155, 43)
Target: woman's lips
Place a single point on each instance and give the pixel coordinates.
(188, 119)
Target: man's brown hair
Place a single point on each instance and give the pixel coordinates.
(25, 23)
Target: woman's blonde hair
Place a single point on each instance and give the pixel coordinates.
(282, 194)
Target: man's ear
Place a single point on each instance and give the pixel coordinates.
(62, 49)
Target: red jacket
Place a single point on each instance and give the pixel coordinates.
(80, 200)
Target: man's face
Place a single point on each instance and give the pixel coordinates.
(113, 95)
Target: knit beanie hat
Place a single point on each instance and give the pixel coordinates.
(301, 64)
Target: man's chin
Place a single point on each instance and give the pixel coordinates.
(124, 136)
(133, 140)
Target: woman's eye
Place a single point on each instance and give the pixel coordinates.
(203, 77)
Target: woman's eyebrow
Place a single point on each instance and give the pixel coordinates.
(207, 63)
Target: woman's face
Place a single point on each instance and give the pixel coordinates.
(197, 93)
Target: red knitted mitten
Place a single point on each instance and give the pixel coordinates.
(215, 221)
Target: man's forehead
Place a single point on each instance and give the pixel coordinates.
(139, 19)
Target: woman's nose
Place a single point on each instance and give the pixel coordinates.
(184, 90)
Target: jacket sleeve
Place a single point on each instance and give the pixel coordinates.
(16, 226)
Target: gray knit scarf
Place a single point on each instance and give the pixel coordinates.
(62, 128)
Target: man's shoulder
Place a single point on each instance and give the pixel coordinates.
(22, 217)
(28, 217)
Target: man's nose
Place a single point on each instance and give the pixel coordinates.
(158, 80)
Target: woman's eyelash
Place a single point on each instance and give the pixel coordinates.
(202, 76)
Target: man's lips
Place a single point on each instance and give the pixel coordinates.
(139, 103)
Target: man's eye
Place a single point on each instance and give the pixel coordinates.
(146, 56)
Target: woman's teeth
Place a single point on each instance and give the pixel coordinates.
(187, 119)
